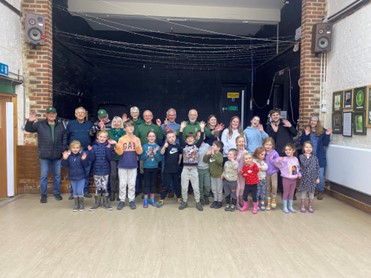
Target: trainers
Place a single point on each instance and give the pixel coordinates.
(132, 205)
(232, 208)
(207, 202)
(227, 207)
(183, 205)
(43, 199)
(88, 195)
(58, 197)
(160, 203)
(199, 206)
(202, 201)
(218, 205)
(120, 205)
(179, 200)
(213, 204)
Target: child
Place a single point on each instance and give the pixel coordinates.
(272, 172)
(310, 175)
(229, 177)
(250, 172)
(190, 161)
(241, 150)
(203, 172)
(128, 147)
(290, 172)
(259, 155)
(100, 155)
(151, 156)
(76, 162)
(172, 157)
(215, 159)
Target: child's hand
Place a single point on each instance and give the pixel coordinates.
(155, 150)
(280, 158)
(66, 154)
(317, 181)
(83, 155)
(108, 145)
(271, 158)
(166, 145)
(219, 127)
(90, 148)
(209, 152)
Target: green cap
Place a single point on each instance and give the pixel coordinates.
(51, 109)
(102, 113)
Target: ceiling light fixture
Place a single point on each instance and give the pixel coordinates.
(286, 2)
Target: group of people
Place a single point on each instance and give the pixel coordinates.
(212, 159)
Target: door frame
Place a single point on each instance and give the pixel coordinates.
(15, 134)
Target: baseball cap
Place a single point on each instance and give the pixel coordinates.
(102, 113)
(51, 109)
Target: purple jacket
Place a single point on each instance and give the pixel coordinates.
(289, 167)
(271, 167)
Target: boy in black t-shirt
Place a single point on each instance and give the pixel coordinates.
(172, 157)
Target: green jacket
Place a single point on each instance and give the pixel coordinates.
(215, 164)
(142, 130)
(193, 128)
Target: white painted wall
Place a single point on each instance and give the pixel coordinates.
(11, 52)
(349, 66)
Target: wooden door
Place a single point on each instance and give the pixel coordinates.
(3, 157)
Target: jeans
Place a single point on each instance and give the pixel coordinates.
(87, 178)
(44, 172)
(78, 188)
(321, 185)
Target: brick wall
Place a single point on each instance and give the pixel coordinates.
(313, 11)
(37, 60)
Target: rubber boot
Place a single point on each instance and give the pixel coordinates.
(145, 201)
(274, 203)
(302, 206)
(106, 203)
(255, 208)
(291, 208)
(262, 205)
(245, 206)
(310, 206)
(96, 204)
(285, 210)
(76, 204)
(81, 206)
(268, 203)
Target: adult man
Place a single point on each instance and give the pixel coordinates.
(52, 141)
(281, 131)
(169, 123)
(103, 123)
(142, 130)
(193, 125)
(79, 130)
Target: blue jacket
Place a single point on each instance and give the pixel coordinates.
(76, 166)
(323, 141)
(151, 160)
(79, 131)
(101, 156)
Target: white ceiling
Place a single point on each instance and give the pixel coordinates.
(235, 17)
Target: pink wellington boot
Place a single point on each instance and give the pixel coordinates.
(245, 206)
(255, 208)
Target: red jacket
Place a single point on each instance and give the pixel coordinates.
(250, 173)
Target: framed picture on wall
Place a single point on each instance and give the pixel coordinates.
(347, 124)
(359, 123)
(359, 100)
(337, 101)
(348, 99)
(337, 123)
(368, 105)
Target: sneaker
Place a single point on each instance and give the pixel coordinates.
(183, 205)
(199, 206)
(232, 208)
(43, 199)
(160, 203)
(132, 205)
(120, 205)
(202, 201)
(88, 195)
(213, 204)
(58, 197)
(227, 207)
(70, 197)
(320, 195)
(179, 200)
(218, 205)
(170, 195)
(207, 202)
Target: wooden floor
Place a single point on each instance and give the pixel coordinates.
(49, 240)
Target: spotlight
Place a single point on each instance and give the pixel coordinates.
(286, 2)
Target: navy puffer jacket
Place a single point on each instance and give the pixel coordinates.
(101, 156)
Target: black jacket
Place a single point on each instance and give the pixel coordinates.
(47, 148)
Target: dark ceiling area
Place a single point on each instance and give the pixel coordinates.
(131, 65)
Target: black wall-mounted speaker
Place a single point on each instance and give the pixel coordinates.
(35, 29)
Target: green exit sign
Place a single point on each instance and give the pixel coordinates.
(232, 108)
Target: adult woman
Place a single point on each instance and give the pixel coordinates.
(254, 134)
(320, 138)
(230, 134)
(215, 128)
(116, 131)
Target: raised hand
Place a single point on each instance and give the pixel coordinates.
(286, 123)
(307, 130)
(32, 117)
(219, 127)
(329, 131)
(112, 142)
(202, 126)
(260, 127)
(101, 125)
(83, 155)
(90, 148)
(166, 145)
(158, 122)
(66, 154)
(183, 125)
(155, 150)
(124, 117)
